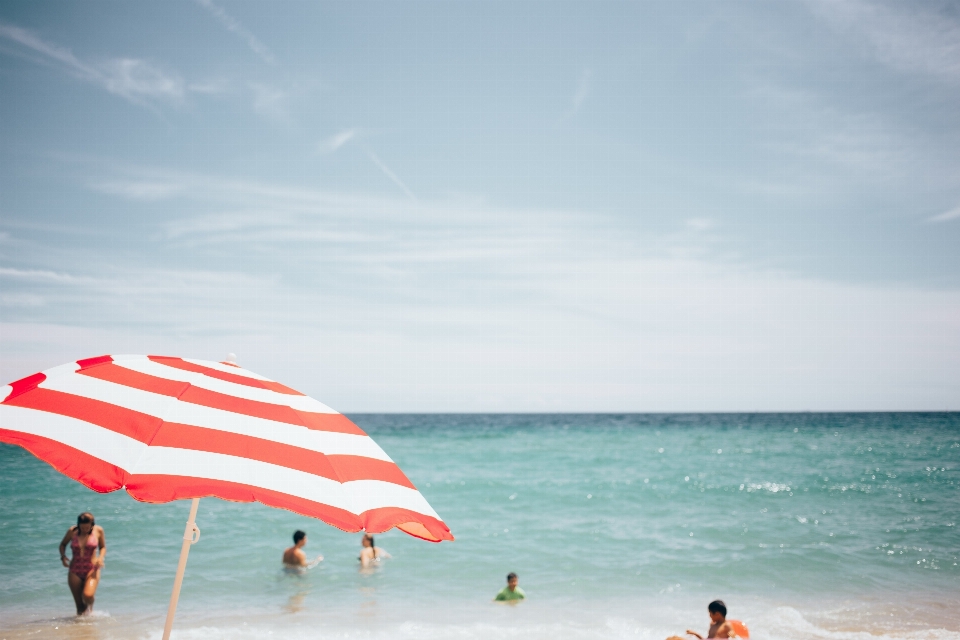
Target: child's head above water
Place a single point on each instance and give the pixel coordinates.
(718, 611)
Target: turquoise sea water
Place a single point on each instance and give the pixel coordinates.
(835, 526)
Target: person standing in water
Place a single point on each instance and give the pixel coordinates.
(511, 592)
(295, 558)
(370, 554)
(88, 546)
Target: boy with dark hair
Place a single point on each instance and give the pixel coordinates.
(511, 592)
(719, 627)
(294, 557)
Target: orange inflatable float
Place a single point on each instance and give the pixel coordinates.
(739, 628)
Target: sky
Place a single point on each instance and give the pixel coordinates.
(492, 206)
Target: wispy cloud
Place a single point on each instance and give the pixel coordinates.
(210, 87)
(264, 226)
(337, 140)
(952, 214)
(52, 52)
(478, 297)
(138, 189)
(270, 103)
(523, 311)
(220, 223)
(233, 25)
(40, 275)
(27, 300)
(390, 174)
(699, 224)
(853, 141)
(583, 89)
(138, 182)
(227, 210)
(913, 37)
(132, 282)
(580, 94)
(135, 80)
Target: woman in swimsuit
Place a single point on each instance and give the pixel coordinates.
(89, 547)
(370, 554)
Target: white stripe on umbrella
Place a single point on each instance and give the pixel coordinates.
(300, 403)
(357, 496)
(109, 446)
(228, 368)
(170, 410)
(78, 384)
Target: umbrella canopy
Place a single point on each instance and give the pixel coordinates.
(165, 428)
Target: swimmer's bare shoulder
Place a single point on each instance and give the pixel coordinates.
(294, 557)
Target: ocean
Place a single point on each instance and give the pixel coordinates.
(832, 526)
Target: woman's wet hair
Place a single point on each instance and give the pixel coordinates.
(369, 537)
(717, 606)
(85, 518)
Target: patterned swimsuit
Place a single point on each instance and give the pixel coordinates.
(82, 563)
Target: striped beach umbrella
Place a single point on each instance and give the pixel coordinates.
(165, 428)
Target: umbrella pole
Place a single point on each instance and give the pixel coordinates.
(190, 536)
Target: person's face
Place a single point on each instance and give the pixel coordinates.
(303, 541)
(85, 527)
(366, 542)
(716, 616)
(512, 583)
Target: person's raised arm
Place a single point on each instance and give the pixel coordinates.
(63, 547)
(694, 633)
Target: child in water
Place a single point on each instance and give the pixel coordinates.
(511, 592)
(719, 628)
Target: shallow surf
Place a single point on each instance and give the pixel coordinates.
(839, 526)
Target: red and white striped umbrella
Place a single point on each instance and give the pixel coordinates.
(171, 428)
(168, 428)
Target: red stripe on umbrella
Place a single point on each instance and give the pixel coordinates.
(187, 392)
(155, 432)
(180, 363)
(169, 429)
